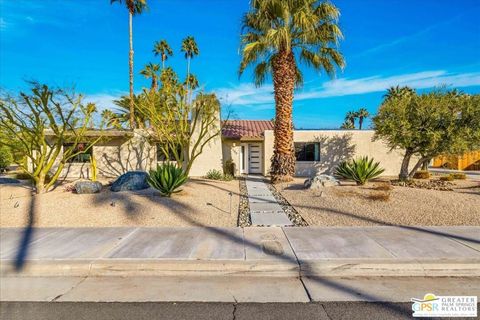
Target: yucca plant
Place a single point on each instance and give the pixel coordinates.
(167, 179)
(360, 170)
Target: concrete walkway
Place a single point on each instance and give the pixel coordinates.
(264, 208)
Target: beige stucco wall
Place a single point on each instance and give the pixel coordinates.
(231, 151)
(335, 147)
(115, 156)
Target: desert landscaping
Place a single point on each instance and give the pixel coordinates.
(201, 203)
(380, 203)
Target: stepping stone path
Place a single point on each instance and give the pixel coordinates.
(264, 208)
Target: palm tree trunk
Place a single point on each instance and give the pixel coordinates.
(130, 62)
(283, 160)
(360, 122)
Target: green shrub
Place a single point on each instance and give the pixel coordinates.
(6, 158)
(422, 174)
(167, 178)
(458, 176)
(229, 167)
(228, 177)
(214, 175)
(360, 170)
(447, 178)
(22, 176)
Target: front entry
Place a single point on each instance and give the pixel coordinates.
(254, 158)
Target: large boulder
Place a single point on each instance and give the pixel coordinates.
(85, 187)
(132, 180)
(321, 181)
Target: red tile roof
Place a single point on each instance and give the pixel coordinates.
(237, 129)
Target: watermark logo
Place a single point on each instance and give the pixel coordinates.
(444, 306)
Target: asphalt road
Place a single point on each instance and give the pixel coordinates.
(200, 311)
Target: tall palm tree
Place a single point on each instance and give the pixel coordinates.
(190, 48)
(162, 49)
(168, 77)
(123, 114)
(276, 36)
(350, 117)
(362, 114)
(347, 125)
(134, 7)
(151, 72)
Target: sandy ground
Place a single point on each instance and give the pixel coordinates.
(351, 205)
(201, 203)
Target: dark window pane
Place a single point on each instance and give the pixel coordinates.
(81, 154)
(307, 151)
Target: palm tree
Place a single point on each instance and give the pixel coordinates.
(123, 112)
(397, 92)
(169, 78)
(134, 7)
(362, 114)
(151, 71)
(189, 46)
(276, 36)
(111, 119)
(347, 125)
(191, 82)
(162, 49)
(350, 117)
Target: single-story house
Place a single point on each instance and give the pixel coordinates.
(246, 143)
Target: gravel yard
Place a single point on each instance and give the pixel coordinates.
(380, 204)
(201, 203)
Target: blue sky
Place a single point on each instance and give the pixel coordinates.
(387, 42)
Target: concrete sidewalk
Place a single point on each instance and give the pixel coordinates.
(266, 252)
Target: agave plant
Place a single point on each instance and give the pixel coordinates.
(360, 170)
(167, 179)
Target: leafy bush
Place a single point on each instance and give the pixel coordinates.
(422, 174)
(214, 175)
(228, 177)
(447, 178)
(229, 167)
(6, 158)
(218, 175)
(360, 170)
(458, 176)
(167, 178)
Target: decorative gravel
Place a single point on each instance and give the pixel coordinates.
(292, 214)
(427, 184)
(243, 208)
(379, 204)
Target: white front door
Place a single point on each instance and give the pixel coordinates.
(254, 158)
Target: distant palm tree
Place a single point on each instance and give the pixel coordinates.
(350, 117)
(397, 92)
(347, 125)
(276, 36)
(134, 7)
(151, 72)
(111, 119)
(169, 78)
(191, 82)
(162, 49)
(362, 114)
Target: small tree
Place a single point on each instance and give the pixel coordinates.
(6, 157)
(428, 125)
(47, 126)
(182, 129)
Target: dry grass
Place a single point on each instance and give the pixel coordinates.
(379, 203)
(201, 203)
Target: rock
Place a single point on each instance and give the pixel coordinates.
(132, 180)
(85, 187)
(321, 181)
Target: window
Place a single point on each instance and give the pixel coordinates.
(306, 151)
(171, 155)
(82, 155)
